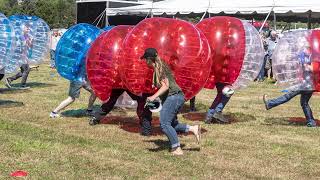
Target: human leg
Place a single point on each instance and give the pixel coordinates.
(14, 77)
(168, 114)
(280, 100)
(304, 102)
(192, 104)
(74, 92)
(144, 114)
(25, 74)
(106, 107)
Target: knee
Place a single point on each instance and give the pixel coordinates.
(71, 99)
(27, 70)
(164, 126)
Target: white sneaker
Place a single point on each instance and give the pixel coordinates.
(54, 115)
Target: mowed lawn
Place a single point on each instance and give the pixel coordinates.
(258, 144)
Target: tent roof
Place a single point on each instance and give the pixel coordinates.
(300, 8)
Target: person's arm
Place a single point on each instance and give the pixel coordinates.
(164, 88)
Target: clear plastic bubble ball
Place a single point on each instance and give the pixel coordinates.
(237, 51)
(32, 39)
(296, 60)
(6, 43)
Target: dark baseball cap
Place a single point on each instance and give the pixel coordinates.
(149, 53)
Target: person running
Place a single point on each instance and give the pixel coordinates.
(74, 92)
(172, 99)
(305, 90)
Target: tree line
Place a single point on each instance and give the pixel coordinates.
(57, 13)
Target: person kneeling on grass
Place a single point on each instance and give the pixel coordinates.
(74, 92)
(144, 114)
(172, 98)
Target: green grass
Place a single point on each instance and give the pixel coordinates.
(259, 144)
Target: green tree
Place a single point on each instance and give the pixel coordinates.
(57, 13)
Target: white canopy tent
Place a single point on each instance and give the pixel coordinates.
(297, 8)
(172, 7)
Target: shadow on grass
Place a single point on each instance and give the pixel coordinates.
(288, 121)
(10, 104)
(233, 117)
(163, 145)
(13, 90)
(76, 113)
(186, 108)
(131, 124)
(35, 85)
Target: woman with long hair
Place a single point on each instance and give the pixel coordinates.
(172, 100)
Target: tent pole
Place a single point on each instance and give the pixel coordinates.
(309, 20)
(264, 22)
(107, 18)
(275, 20)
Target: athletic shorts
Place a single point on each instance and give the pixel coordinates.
(74, 89)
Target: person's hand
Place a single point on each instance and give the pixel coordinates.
(151, 98)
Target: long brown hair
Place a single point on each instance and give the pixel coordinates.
(161, 70)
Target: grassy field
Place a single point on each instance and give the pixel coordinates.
(258, 144)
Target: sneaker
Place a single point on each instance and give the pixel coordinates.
(311, 123)
(220, 118)
(54, 115)
(89, 112)
(265, 101)
(8, 83)
(177, 151)
(94, 121)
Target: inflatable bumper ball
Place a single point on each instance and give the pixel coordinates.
(180, 44)
(296, 60)
(32, 39)
(103, 61)
(7, 44)
(237, 51)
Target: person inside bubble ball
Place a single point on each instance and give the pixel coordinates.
(305, 90)
(224, 93)
(74, 92)
(172, 100)
(27, 42)
(144, 114)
